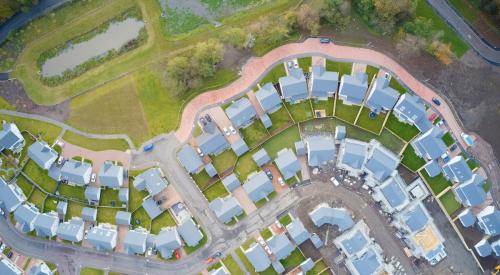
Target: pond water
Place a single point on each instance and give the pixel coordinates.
(117, 35)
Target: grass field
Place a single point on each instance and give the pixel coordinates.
(402, 130)
(248, 266)
(245, 166)
(26, 186)
(164, 220)
(40, 176)
(346, 112)
(280, 119)
(95, 144)
(254, 134)
(411, 160)
(448, 139)
(466, 10)
(231, 265)
(340, 67)
(202, 179)
(180, 21)
(109, 196)
(371, 71)
(323, 105)
(274, 74)
(216, 190)
(472, 164)
(50, 204)
(394, 83)
(224, 161)
(46, 131)
(69, 191)
(300, 111)
(106, 215)
(91, 271)
(373, 125)
(286, 220)
(305, 63)
(37, 198)
(140, 219)
(74, 210)
(293, 260)
(451, 205)
(285, 139)
(437, 183)
(135, 197)
(266, 233)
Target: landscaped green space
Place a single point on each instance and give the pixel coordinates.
(178, 21)
(411, 160)
(75, 192)
(280, 120)
(374, 125)
(402, 130)
(109, 197)
(140, 219)
(340, 67)
(135, 197)
(164, 220)
(269, 271)
(394, 83)
(37, 198)
(266, 233)
(248, 266)
(95, 144)
(466, 10)
(294, 260)
(202, 180)
(318, 267)
(451, 205)
(285, 139)
(74, 210)
(46, 131)
(254, 134)
(216, 190)
(437, 183)
(274, 74)
(23, 183)
(326, 105)
(472, 164)
(372, 72)
(246, 245)
(245, 166)
(347, 113)
(224, 161)
(231, 265)
(448, 139)
(106, 215)
(305, 63)
(50, 204)
(40, 176)
(300, 111)
(91, 271)
(286, 220)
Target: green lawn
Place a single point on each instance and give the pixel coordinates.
(231, 265)
(254, 134)
(274, 74)
(245, 166)
(411, 160)
(40, 176)
(340, 67)
(465, 9)
(286, 220)
(135, 197)
(142, 217)
(217, 190)
(224, 161)
(68, 191)
(48, 132)
(179, 21)
(106, 215)
(305, 63)
(458, 46)
(300, 111)
(74, 210)
(451, 205)
(448, 139)
(472, 164)
(373, 125)
(347, 113)
(394, 83)
(247, 243)
(50, 204)
(318, 267)
(280, 119)
(109, 196)
(164, 220)
(326, 105)
(37, 198)
(295, 259)
(91, 271)
(248, 266)
(95, 144)
(285, 139)
(266, 233)
(23, 183)
(437, 183)
(202, 180)
(269, 271)
(372, 72)
(402, 130)
(390, 141)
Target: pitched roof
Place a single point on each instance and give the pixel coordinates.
(40, 269)
(9, 268)
(416, 218)
(297, 232)
(151, 208)
(11, 196)
(226, 208)
(71, 230)
(240, 112)
(354, 242)
(320, 149)
(46, 224)
(261, 157)
(266, 121)
(123, 218)
(258, 186)
(210, 169)
(432, 168)
(381, 96)
(300, 148)
(89, 214)
(103, 237)
(123, 194)
(231, 182)
(239, 147)
(429, 144)
(496, 247)
(10, 137)
(483, 248)
(353, 87)
(287, 163)
(25, 215)
(340, 133)
(151, 180)
(189, 159)
(93, 193)
(323, 83)
(489, 220)
(307, 265)
(317, 242)
(411, 109)
(257, 257)
(111, 175)
(167, 241)
(76, 172)
(323, 214)
(190, 232)
(219, 271)
(212, 142)
(62, 207)
(42, 154)
(471, 193)
(353, 153)
(393, 191)
(268, 97)
(294, 86)
(135, 241)
(457, 170)
(467, 218)
(380, 162)
(280, 246)
(368, 263)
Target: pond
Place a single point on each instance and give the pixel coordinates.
(117, 35)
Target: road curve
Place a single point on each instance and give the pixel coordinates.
(256, 68)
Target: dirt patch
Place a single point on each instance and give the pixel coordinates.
(234, 58)
(487, 31)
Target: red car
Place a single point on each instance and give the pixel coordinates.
(177, 254)
(432, 117)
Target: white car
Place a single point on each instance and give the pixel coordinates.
(93, 177)
(261, 241)
(233, 131)
(335, 181)
(226, 131)
(281, 181)
(199, 151)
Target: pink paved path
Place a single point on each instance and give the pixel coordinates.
(257, 67)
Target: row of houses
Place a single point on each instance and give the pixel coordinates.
(9, 268)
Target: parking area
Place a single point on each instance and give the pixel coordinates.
(275, 180)
(245, 202)
(221, 119)
(168, 197)
(318, 60)
(358, 68)
(255, 103)
(122, 232)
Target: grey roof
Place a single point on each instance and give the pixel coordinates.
(239, 147)
(190, 232)
(278, 267)
(317, 242)
(123, 194)
(231, 182)
(300, 148)
(9, 268)
(457, 170)
(416, 218)
(353, 153)
(307, 265)
(89, 214)
(40, 269)
(218, 271)
(167, 241)
(151, 208)
(393, 192)
(212, 142)
(368, 263)
(123, 218)
(381, 96)
(261, 157)
(268, 98)
(241, 112)
(62, 207)
(297, 232)
(258, 186)
(42, 154)
(151, 180)
(135, 242)
(266, 121)
(11, 196)
(76, 172)
(483, 248)
(111, 175)
(323, 83)
(189, 159)
(471, 193)
(102, 237)
(46, 224)
(340, 133)
(432, 168)
(381, 162)
(429, 144)
(71, 230)
(210, 169)
(334, 216)
(93, 193)
(353, 87)
(467, 218)
(287, 163)
(293, 86)
(411, 109)
(280, 246)
(226, 208)
(25, 215)
(320, 150)
(489, 220)
(496, 247)
(354, 243)
(257, 257)
(10, 137)
(55, 172)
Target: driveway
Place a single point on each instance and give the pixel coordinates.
(221, 119)
(245, 202)
(358, 68)
(172, 197)
(255, 103)
(304, 167)
(318, 60)
(276, 174)
(122, 232)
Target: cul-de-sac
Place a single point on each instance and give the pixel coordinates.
(246, 137)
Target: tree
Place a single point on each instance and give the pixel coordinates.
(10, 7)
(206, 56)
(308, 18)
(235, 36)
(420, 26)
(441, 51)
(385, 15)
(335, 13)
(180, 71)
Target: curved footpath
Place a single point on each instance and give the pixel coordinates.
(256, 68)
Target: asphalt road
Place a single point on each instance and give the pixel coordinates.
(444, 9)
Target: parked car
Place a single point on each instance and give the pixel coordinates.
(432, 117)
(208, 118)
(261, 241)
(60, 143)
(334, 181)
(269, 174)
(9, 255)
(226, 131)
(278, 224)
(203, 121)
(2, 213)
(60, 160)
(436, 101)
(233, 131)
(289, 64)
(281, 181)
(93, 177)
(324, 40)
(148, 147)
(199, 152)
